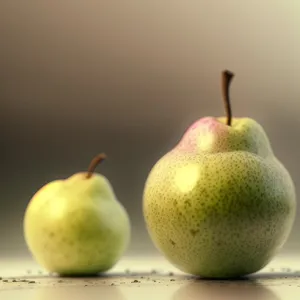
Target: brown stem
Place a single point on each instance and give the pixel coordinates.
(226, 80)
(94, 163)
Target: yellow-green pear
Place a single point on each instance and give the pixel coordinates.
(220, 204)
(77, 226)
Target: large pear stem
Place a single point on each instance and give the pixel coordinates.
(226, 80)
(94, 163)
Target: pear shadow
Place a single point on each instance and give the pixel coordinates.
(253, 277)
(181, 276)
(111, 275)
(224, 290)
(274, 275)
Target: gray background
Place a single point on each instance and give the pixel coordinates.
(127, 78)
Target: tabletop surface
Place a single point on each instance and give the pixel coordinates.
(148, 278)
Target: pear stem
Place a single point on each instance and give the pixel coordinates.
(94, 163)
(226, 80)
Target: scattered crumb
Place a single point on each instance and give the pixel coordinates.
(135, 281)
(32, 281)
(153, 271)
(5, 280)
(60, 281)
(154, 280)
(142, 277)
(85, 285)
(171, 273)
(172, 279)
(112, 284)
(14, 280)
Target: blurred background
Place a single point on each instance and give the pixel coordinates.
(127, 78)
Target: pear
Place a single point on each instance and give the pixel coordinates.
(77, 226)
(220, 204)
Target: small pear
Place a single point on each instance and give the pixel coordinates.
(220, 204)
(77, 226)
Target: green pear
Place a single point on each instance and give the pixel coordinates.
(77, 226)
(220, 204)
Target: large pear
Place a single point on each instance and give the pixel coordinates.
(77, 226)
(220, 204)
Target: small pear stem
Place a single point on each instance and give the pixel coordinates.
(226, 80)
(94, 163)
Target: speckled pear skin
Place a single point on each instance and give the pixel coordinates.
(76, 226)
(220, 204)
